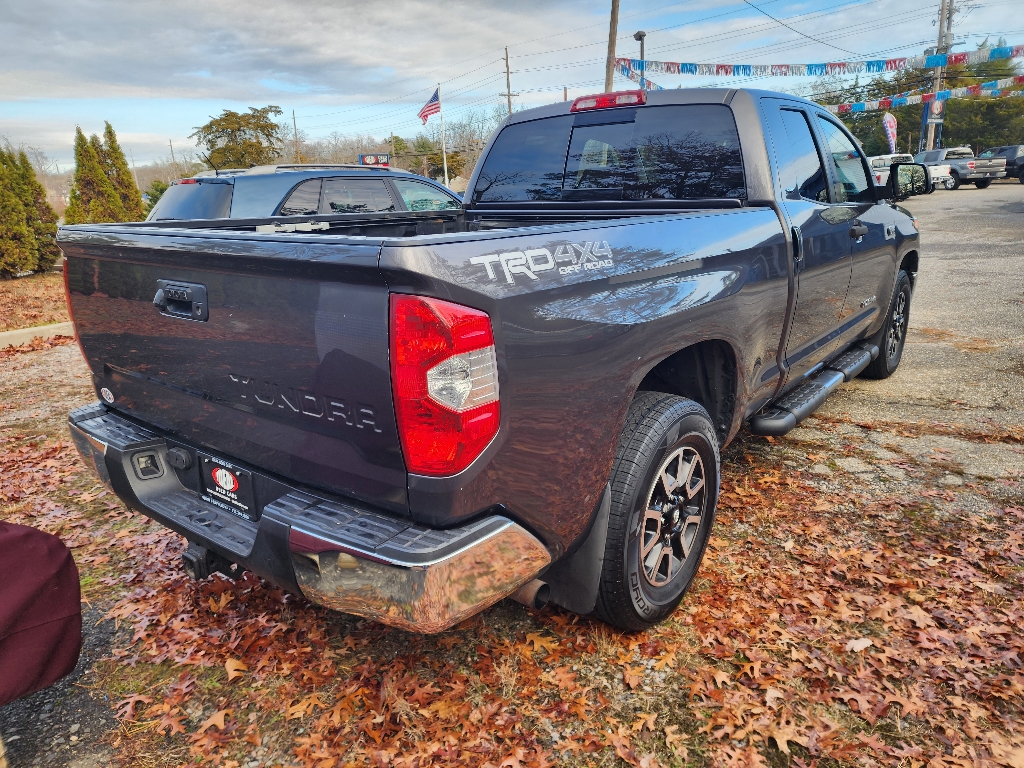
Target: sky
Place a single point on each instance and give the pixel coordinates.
(156, 70)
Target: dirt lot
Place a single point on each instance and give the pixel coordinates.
(860, 602)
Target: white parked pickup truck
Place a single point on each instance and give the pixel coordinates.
(940, 175)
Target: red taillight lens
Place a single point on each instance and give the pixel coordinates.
(970, 164)
(606, 100)
(185, 181)
(444, 377)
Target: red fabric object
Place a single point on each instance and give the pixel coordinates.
(40, 611)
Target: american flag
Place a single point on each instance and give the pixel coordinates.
(432, 107)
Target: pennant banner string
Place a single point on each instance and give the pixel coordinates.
(641, 68)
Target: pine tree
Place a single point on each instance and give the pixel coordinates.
(40, 215)
(120, 176)
(93, 197)
(17, 243)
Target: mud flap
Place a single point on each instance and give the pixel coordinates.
(575, 579)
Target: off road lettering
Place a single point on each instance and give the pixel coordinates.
(531, 262)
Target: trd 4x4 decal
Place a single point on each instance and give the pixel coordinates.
(568, 258)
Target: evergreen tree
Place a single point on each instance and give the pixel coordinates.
(40, 215)
(17, 243)
(93, 197)
(120, 175)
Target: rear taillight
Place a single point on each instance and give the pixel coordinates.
(71, 313)
(444, 377)
(607, 100)
(970, 164)
(184, 181)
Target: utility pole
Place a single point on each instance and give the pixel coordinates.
(613, 31)
(643, 62)
(508, 82)
(173, 161)
(946, 11)
(134, 172)
(565, 93)
(295, 127)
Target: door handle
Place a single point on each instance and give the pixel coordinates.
(858, 231)
(798, 251)
(184, 300)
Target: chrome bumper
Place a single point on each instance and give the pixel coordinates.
(494, 558)
(343, 556)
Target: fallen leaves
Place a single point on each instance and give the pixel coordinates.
(822, 625)
(859, 644)
(235, 669)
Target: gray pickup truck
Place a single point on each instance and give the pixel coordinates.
(964, 166)
(411, 415)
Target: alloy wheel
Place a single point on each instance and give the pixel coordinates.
(898, 326)
(673, 515)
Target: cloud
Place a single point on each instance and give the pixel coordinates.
(245, 49)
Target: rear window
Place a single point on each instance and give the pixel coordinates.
(959, 154)
(303, 201)
(202, 200)
(652, 153)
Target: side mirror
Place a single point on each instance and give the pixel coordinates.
(907, 180)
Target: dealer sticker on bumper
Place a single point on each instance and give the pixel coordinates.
(227, 486)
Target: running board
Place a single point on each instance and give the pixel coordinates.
(795, 406)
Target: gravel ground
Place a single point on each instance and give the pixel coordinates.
(948, 422)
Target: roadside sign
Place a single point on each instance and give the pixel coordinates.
(936, 112)
(380, 160)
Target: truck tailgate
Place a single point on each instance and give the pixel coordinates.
(285, 368)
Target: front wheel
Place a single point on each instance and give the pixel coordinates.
(954, 181)
(983, 183)
(664, 494)
(892, 337)
(1022, 177)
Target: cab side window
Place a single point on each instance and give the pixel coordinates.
(800, 166)
(852, 186)
(418, 196)
(303, 201)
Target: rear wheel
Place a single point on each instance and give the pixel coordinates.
(664, 493)
(949, 183)
(1022, 177)
(955, 178)
(983, 183)
(893, 335)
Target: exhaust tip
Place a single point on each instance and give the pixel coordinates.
(533, 594)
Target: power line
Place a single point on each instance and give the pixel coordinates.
(784, 24)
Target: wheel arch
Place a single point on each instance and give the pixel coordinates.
(705, 372)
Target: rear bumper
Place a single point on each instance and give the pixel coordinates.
(336, 553)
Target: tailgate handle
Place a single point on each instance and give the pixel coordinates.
(182, 300)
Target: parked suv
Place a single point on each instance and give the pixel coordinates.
(1014, 156)
(300, 190)
(964, 166)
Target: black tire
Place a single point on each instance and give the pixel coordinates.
(1022, 177)
(892, 337)
(663, 434)
(983, 183)
(956, 181)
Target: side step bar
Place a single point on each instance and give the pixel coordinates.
(795, 406)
